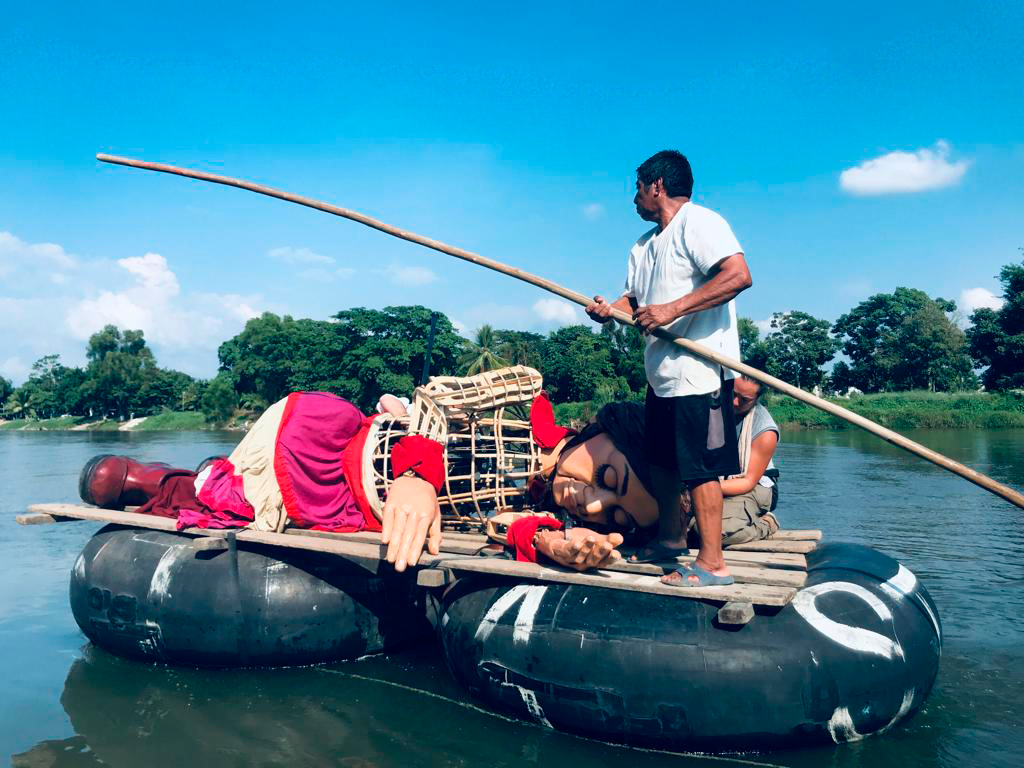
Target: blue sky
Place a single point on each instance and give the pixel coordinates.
(513, 132)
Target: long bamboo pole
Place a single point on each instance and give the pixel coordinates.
(1009, 494)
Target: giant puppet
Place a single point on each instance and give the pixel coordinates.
(467, 448)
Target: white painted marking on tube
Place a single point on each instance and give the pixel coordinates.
(531, 596)
(161, 580)
(854, 638)
(902, 585)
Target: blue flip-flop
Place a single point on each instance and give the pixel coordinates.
(657, 553)
(705, 578)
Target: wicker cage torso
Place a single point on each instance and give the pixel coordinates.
(490, 457)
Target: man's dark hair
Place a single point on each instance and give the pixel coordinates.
(672, 168)
(760, 386)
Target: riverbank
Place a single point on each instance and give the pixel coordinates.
(167, 421)
(908, 410)
(896, 410)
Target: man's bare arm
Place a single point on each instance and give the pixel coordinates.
(730, 278)
(761, 452)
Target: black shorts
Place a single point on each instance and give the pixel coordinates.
(693, 434)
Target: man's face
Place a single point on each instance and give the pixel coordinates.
(644, 199)
(744, 396)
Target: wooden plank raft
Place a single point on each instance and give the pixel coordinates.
(764, 575)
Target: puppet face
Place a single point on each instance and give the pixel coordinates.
(594, 483)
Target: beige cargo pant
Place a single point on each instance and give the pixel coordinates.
(747, 517)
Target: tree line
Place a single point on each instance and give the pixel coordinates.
(890, 342)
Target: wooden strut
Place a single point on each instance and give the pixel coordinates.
(999, 489)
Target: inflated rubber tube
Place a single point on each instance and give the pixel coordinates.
(146, 593)
(855, 652)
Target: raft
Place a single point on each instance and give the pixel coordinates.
(815, 642)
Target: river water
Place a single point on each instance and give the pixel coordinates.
(64, 703)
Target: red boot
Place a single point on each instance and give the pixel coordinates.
(116, 482)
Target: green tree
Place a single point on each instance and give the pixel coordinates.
(120, 371)
(482, 353)
(41, 390)
(382, 351)
(839, 379)
(6, 389)
(997, 336)
(520, 347)
(263, 357)
(795, 349)
(16, 406)
(219, 398)
(870, 332)
(576, 362)
(749, 336)
(190, 396)
(927, 351)
(626, 345)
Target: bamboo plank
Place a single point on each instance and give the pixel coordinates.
(796, 535)
(744, 574)
(758, 594)
(769, 545)
(454, 547)
(769, 557)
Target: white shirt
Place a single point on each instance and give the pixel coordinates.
(667, 265)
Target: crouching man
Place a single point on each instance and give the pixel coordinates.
(750, 496)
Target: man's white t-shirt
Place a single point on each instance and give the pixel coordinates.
(667, 265)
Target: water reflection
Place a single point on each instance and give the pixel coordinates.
(360, 715)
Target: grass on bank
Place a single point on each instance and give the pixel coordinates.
(896, 410)
(178, 421)
(60, 422)
(909, 410)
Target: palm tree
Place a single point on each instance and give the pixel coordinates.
(16, 406)
(482, 353)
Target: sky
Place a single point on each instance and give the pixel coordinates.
(853, 149)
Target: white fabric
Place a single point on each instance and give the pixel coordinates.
(668, 265)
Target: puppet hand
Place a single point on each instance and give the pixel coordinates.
(600, 311)
(412, 516)
(653, 316)
(582, 550)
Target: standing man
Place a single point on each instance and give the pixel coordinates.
(683, 275)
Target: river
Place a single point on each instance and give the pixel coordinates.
(66, 704)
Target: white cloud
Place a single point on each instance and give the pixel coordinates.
(593, 211)
(292, 255)
(15, 369)
(903, 172)
(405, 275)
(41, 314)
(976, 298)
(557, 312)
(18, 258)
(764, 326)
(320, 275)
(154, 304)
